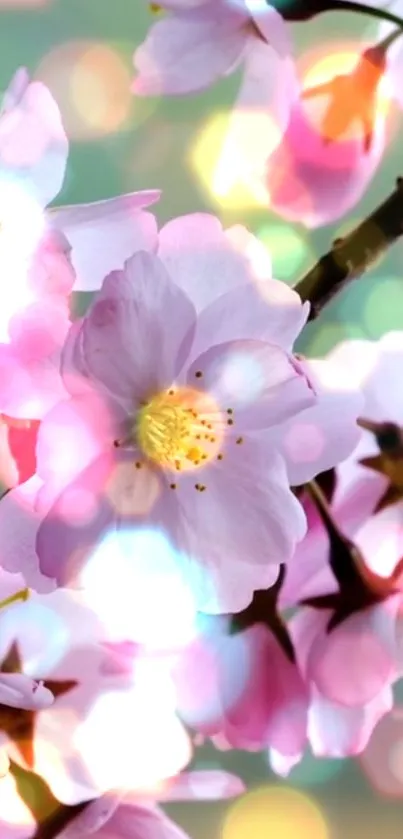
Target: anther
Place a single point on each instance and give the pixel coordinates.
(220, 457)
(198, 374)
(229, 411)
(172, 486)
(230, 422)
(138, 464)
(239, 440)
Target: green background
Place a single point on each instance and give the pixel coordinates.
(151, 150)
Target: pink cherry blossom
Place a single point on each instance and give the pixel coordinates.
(243, 692)
(352, 668)
(250, 385)
(350, 672)
(313, 181)
(371, 366)
(219, 312)
(196, 44)
(102, 234)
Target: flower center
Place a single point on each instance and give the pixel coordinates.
(180, 429)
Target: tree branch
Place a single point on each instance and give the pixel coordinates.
(352, 255)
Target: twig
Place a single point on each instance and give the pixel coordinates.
(352, 255)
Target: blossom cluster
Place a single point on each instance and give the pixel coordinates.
(201, 533)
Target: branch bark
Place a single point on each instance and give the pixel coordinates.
(352, 255)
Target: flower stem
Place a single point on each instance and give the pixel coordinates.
(362, 8)
(352, 255)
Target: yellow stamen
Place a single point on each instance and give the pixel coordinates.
(168, 429)
(14, 598)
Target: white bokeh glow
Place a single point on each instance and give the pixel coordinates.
(132, 739)
(133, 582)
(22, 224)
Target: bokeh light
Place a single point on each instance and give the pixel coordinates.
(14, 813)
(383, 308)
(382, 760)
(311, 772)
(91, 83)
(146, 598)
(275, 813)
(132, 739)
(225, 164)
(290, 251)
(330, 60)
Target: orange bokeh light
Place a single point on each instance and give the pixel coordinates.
(91, 84)
(332, 60)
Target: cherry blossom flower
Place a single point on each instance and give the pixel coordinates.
(243, 692)
(241, 399)
(76, 741)
(31, 175)
(199, 42)
(365, 500)
(353, 665)
(350, 672)
(319, 171)
(36, 258)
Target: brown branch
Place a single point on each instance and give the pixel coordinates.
(352, 255)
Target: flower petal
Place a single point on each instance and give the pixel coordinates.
(233, 536)
(207, 261)
(33, 143)
(323, 435)
(352, 664)
(336, 731)
(269, 311)
(188, 52)
(134, 330)
(257, 382)
(18, 528)
(106, 233)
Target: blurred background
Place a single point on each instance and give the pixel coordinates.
(83, 50)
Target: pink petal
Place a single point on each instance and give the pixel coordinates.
(256, 380)
(282, 764)
(203, 785)
(380, 539)
(133, 333)
(105, 233)
(149, 822)
(308, 572)
(211, 526)
(33, 144)
(15, 90)
(86, 426)
(206, 261)
(336, 731)
(314, 183)
(269, 312)
(18, 528)
(323, 435)
(352, 664)
(274, 706)
(271, 24)
(185, 53)
(77, 519)
(19, 691)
